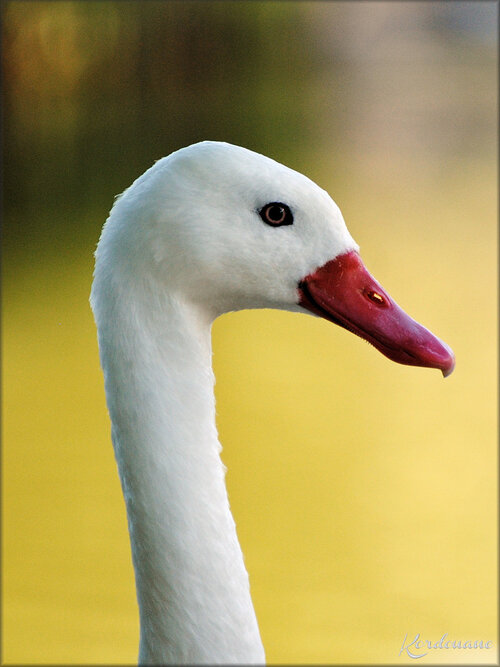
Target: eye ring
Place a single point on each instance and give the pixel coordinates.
(276, 214)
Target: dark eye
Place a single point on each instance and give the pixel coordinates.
(276, 214)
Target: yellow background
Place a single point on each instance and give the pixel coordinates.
(364, 492)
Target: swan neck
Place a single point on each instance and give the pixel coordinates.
(192, 585)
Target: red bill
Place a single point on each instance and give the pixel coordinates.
(342, 291)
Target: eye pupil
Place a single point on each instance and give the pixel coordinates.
(276, 214)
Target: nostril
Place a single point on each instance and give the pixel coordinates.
(375, 298)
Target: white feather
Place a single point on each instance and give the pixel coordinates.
(182, 245)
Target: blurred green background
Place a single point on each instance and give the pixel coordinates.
(364, 492)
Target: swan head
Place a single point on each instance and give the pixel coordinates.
(227, 228)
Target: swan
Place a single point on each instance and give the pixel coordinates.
(209, 229)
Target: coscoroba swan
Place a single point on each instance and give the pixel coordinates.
(209, 229)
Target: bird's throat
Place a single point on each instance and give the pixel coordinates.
(192, 586)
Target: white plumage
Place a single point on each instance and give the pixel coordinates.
(185, 243)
